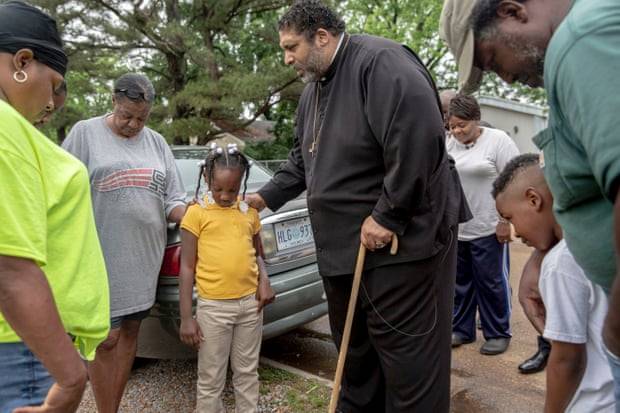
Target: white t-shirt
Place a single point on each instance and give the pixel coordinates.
(478, 165)
(576, 310)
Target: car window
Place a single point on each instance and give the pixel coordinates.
(188, 160)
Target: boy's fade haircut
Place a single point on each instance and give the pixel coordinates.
(308, 16)
(517, 165)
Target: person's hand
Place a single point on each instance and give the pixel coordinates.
(503, 232)
(190, 333)
(264, 293)
(529, 293)
(375, 236)
(60, 398)
(255, 201)
(177, 214)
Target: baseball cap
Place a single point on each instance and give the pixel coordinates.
(455, 29)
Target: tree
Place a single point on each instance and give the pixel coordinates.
(415, 23)
(411, 22)
(215, 63)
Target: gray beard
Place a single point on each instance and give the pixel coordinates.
(313, 71)
(537, 56)
(528, 52)
(309, 77)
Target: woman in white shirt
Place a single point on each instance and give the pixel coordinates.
(483, 265)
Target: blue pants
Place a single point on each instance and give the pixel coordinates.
(23, 379)
(482, 284)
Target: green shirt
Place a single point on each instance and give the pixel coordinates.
(581, 146)
(46, 216)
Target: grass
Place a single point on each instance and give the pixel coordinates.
(297, 394)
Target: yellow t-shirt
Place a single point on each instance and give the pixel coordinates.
(226, 265)
(46, 216)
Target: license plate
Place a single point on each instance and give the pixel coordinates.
(293, 233)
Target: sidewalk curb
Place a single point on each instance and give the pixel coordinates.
(296, 371)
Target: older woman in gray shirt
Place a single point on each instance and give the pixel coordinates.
(136, 189)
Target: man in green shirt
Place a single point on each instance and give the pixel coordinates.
(572, 49)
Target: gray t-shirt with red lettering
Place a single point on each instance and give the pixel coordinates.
(135, 185)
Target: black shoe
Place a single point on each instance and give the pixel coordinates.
(495, 346)
(538, 361)
(459, 341)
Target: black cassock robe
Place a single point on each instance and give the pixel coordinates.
(370, 141)
(379, 148)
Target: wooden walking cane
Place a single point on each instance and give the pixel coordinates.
(344, 344)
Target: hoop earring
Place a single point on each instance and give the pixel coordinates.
(16, 75)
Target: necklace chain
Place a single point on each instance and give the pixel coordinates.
(316, 135)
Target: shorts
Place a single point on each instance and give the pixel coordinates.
(115, 322)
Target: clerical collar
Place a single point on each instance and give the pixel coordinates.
(337, 48)
(342, 44)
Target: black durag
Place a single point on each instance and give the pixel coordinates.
(25, 27)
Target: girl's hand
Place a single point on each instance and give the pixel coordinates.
(190, 333)
(264, 293)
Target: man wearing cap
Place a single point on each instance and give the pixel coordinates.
(570, 48)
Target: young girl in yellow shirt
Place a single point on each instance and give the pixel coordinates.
(221, 253)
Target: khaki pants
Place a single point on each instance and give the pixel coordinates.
(231, 328)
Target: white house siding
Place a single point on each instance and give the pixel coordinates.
(521, 121)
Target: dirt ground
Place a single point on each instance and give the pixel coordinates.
(479, 383)
(493, 383)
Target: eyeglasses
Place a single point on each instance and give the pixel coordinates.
(132, 94)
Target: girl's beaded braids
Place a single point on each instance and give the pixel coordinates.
(229, 157)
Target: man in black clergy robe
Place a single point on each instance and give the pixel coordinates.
(369, 150)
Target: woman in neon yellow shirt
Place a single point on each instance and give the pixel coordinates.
(53, 285)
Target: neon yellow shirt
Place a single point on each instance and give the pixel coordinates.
(46, 216)
(226, 265)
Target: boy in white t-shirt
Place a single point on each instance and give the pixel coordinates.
(578, 374)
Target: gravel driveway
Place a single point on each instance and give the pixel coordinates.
(169, 386)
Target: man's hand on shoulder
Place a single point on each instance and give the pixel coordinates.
(255, 201)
